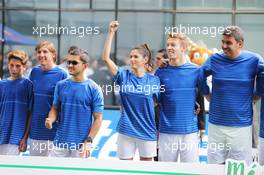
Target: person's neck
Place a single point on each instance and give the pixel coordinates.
(15, 78)
(140, 72)
(79, 78)
(235, 55)
(47, 67)
(177, 62)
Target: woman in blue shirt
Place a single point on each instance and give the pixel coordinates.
(138, 89)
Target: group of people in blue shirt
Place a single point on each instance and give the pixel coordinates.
(64, 112)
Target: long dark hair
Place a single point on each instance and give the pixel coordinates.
(146, 53)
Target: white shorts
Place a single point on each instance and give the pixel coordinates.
(9, 149)
(261, 151)
(40, 147)
(126, 147)
(229, 143)
(171, 146)
(60, 152)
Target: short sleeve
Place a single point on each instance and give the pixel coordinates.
(260, 78)
(98, 100)
(56, 100)
(120, 76)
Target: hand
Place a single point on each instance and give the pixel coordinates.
(85, 150)
(113, 26)
(48, 123)
(165, 62)
(23, 145)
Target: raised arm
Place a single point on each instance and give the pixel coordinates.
(112, 67)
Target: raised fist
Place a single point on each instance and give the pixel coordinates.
(113, 26)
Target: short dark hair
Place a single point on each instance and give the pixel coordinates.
(164, 52)
(72, 48)
(235, 32)
(84, 57)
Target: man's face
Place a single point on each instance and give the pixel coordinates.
(174, 50)
(75, 65)
(16, 68)
(44, 56)
(231, 47)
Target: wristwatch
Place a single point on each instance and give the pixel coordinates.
(89, 139)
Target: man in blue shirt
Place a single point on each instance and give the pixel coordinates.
(44, 77)
(16, 95)
(230, 117)
(178, 124)
(77, 99)
(260, 93)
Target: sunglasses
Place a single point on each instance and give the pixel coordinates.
(72, 62)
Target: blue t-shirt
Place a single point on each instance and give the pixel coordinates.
(232, 87)
(137, 102)
(15, 101)
(178, 100)
(77, 101)
(260, 92)
(44, 85)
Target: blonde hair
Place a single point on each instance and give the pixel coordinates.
(19, 55)
(185, 41)
(50, 46)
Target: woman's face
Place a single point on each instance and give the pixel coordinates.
(137, 60)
